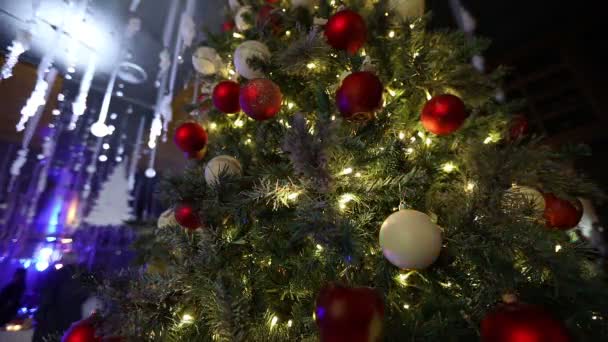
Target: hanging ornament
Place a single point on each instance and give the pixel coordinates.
(206, 61)
(222, 165)
(410, 240)
(346, 30)
(228, 25)
(191, 138)
(518, 322)
(261, 99)
(519, 127)
(517, 193)
(226, 97)
(186, 215)
(443, 114)
(268, 17)
(247, 50)
(407, 9)
(359, 96)
(82, 331)
(349, 314)
(241, 18)
(167, 219)
(560, 213)
(306, 4)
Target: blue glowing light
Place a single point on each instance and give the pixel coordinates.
(42, 265)
(26, 263)
(51, 239)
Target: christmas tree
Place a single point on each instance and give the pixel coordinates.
(356, 180)
(112, 206)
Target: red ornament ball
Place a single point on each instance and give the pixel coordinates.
(349, 314)
(82, 331)
(519, 322)
(560, 213)
(268, 17)
(346, 30)
(359, 95)
(226, 97)
(186, 215)
(261, 99)
(228, 25)
(191, 138)
(443, 114)
(519, 127)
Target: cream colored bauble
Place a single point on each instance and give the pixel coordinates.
(247, 50)
(307, 4)
(524, 193)
(239, 18)
(206, 61)
(216, 166)
(167, 219)
(234, 4)
(410, 240)
(407, 9)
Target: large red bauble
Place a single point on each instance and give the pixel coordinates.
(191, 138)
(228, 25)
(186, 215)
(560, 213)
(359, 95)
(346, 30)
(226, 97)
(349, 314)
(519, 127)
(443, 114)
(266, 17)
(82, 331)
(519, 322)
(261, 99)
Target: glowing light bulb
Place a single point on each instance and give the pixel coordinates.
(212, 126)
(150, 173)
(347, 171)
(311, 65)
(345, 199)
(558, 248)
(391, 34)
(238, 123)
(319, 247)
(409, 150)
(237, 35)
(100, 129)
(406, 306)
(448, 167)
(401, 135)
(290, 105)
(56, 112)
(103, 158)
(289, 323)
(288, 33)
(274, 321)
(106, 146)
(187, 319)
(469, 187)
(293, 196)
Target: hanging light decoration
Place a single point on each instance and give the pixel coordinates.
(80, 104)
(20, 45)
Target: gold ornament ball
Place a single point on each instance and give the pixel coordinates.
(410, 240)
(220, 164)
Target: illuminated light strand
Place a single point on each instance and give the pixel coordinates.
(12, 58)
(80, 104)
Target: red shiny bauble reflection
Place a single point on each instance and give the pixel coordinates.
(519, 322)
(346, 30)
(82, 331)
(443, 114)
(228, 25)
(269, 17)
(186, 215)
(359, 95)
(349, 314)
(226, 97)
(261, 99)
(519, 127)
(560, 213)
(191, 138)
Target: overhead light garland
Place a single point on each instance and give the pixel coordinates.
(20, 45)
(80, 104)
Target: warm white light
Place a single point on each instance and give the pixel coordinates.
(401, 135)
(56, 112)
(358, 174)
(311, 65)
(448, 167)
(237, 35)
(319, 247)
(293, 196)
(290, 105)
(289, 323)
(150, 173)
(288, 33)
(345, 199)
(13, 327)
(391, 92)
(469, 187)
(231, 72)
(66, 241)
(558, 248)
(212, 126)
(187, 319)
(409, 150)
(428, 141)
(155, 131)
(391, 34)
(274, 321)
(100, 129)
(406, 306)
(239, 123)
(347, 171)
(103, 158)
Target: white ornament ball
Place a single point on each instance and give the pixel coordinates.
(520, 192)
(239, 18)
(206, 61)
(220, 164)
(247, 50)
(407, 9)
(307, 4)
(234, 4)
(410, 240)
(167, 219)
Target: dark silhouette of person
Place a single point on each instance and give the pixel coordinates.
(10, 296)
(61, 300)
